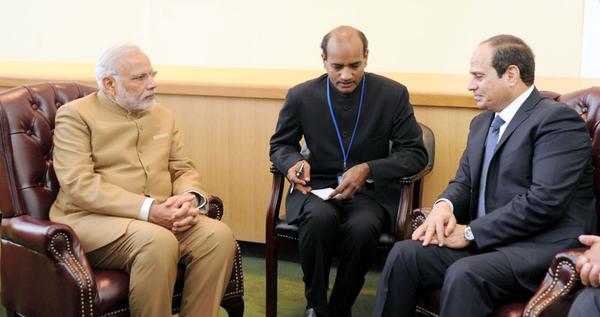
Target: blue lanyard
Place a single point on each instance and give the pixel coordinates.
(337, 130)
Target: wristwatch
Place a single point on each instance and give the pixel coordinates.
(469, 234)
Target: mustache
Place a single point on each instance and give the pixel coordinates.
(150, 95)
(345, 82)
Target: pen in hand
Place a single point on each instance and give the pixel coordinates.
(298, 174)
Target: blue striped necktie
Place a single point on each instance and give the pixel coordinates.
(490, 146)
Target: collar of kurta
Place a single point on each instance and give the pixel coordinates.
(342, 96)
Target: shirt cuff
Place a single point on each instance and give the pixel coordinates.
(145, 209)
(446, 200)
(200, 200)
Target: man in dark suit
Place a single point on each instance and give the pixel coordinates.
(522, 192)
(348, 119)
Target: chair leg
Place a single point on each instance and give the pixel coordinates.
(271, 272)
(234, 306)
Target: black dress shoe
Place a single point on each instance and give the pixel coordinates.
(311, 312)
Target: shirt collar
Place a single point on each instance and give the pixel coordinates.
(509, 112)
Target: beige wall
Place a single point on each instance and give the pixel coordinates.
(226, 117)
(427, 36)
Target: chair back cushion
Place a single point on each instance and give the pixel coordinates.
(587, 103)
(28, 184)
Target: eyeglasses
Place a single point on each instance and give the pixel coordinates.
(141, 78)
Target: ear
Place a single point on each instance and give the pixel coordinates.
(324, 58)
(366, 57)
(109, 84)
(513, 75)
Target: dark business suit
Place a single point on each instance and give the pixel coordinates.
(587, 303)
(350, 228)
(539, 199)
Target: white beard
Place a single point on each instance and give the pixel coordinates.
(131, 104)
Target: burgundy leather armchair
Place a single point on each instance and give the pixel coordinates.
(283, 236)
(45, 271)
(561, 284)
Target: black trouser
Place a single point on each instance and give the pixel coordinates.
(472, 284)
(587, 303)
(348, 229)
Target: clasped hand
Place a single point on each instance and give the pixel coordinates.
(178, 213)
(588, 264)
(440, 228)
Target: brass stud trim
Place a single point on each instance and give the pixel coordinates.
(552, 292)
(81, 275)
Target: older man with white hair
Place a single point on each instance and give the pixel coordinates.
(133, 197)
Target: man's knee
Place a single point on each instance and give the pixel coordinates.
(221, 236)
(318, 226)
(212, 236)
(462, 271)
(365, 233)
(319, 220)
(405, 251)
(157, 245)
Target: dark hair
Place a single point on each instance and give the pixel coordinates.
(325, 40)
(511, 50)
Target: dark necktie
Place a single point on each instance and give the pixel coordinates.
(490, 146)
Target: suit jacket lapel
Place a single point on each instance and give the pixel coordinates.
(519, 117)
(480, 135)
(476, 148)
(476, 156)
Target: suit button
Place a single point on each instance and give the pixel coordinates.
(345, 134)
(346, 107)
(147, 168)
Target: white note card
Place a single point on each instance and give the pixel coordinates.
(322, 193)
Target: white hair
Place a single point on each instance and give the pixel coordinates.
(107, 63)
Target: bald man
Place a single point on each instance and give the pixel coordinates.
(348, 119)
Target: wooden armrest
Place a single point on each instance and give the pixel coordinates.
(274, 203)
(415, 177)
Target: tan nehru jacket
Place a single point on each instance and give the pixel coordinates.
(108, 161)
